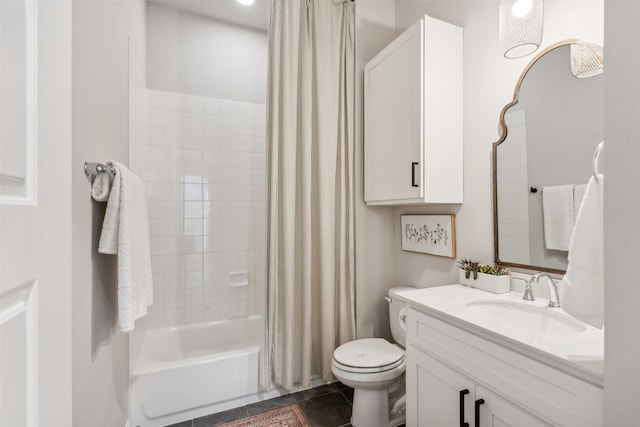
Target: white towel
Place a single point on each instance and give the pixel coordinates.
(578, 195)
(101, 187)
(126, 232)
(558, 216)
(582, 291)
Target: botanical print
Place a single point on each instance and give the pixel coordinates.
(423, 234)
(429, 234)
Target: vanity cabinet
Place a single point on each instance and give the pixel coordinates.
(413, 118)
(455, 377)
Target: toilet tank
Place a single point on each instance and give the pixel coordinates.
(397, 308)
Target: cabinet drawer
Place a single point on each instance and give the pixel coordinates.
(550, 394)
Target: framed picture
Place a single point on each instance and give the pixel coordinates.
(429, 234)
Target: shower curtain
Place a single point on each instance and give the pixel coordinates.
(310, 197)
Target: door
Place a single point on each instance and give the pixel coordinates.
(35, 212)
(494, 411)
(437, 395)
(393, 119)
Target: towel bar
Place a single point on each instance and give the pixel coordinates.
(93, 169)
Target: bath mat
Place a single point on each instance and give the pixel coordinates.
(287, 416)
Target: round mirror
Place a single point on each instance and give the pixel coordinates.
(549, 133)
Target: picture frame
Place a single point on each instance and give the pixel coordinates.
(429, 234)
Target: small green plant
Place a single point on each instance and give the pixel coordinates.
(471, 267)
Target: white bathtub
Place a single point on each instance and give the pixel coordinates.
(193, 370)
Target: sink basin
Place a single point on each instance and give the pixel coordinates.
(523, 316)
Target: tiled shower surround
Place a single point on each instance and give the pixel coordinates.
(203, 160)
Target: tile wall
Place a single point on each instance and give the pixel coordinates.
(203, 160)
(513, 188)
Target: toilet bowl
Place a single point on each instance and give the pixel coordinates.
(375, 368)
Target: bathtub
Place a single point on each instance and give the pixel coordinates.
(189, 371)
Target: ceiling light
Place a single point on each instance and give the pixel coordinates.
(587, 59)
(246, 2)
(520, 27)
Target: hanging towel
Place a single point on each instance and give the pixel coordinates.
(558, 217)
(582, 291)
(125, 232)
(578, 195)
(101, 187)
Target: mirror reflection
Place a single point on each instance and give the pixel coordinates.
(544, 160)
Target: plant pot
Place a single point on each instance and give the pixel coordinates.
(487, 282)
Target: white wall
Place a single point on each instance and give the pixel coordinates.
(375, 22)
(100, 31)
(622, 213)
(489, 81)
(196, 55)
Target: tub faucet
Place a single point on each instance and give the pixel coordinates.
(554, 299)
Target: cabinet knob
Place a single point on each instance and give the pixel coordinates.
(478, 403)
(463, 393)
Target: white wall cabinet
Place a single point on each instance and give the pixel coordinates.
(455, 378)
(413, 118)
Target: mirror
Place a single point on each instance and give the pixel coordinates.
(549, 133)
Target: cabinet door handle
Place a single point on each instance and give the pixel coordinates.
(478, 403)
(413, 174)
(463, 393)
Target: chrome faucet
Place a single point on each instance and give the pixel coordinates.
(554, 298)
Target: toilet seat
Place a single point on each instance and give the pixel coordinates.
(368, 355)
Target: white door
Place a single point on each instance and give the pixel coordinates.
(34, 142)
(437, 396)
(497, 412)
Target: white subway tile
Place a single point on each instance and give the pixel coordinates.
(174, 263)
(193, 227)
(212, 312)
(193, 314)
(156, 245)
(193, 279)
(158, 282)
(174, 298)
(174, 137)
(192, 262)
(174, 317)
(245, 127)
(193, 192)
(211, 295)
(174, 119)
(193, 296)
(174, 245)
(158, 264)
(245, 110)
(260, 112)
(173, 210)
(229, 108)
(173, 191)
(174, 280)
(193, 244)
(193, 174)
(174, 226)
(157, 118)
(212, 106)
(259, 128)
(193, 209)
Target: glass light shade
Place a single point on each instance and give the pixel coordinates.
(587, 59)
(245, 2)
(520, 27)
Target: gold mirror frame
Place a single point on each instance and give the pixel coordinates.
(494, 157)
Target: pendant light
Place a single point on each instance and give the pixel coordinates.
(520, 27)
(587, 59)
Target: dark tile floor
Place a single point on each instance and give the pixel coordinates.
(324, 406)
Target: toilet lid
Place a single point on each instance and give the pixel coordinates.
(368, 353)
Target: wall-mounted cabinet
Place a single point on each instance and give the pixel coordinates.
(413, 118)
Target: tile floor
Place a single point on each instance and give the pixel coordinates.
(324, 406)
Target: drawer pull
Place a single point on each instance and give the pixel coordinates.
(478, 403)
(463, 393)
(413, 174)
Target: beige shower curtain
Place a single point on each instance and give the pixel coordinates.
(310, 230)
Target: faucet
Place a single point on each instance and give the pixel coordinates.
(554, 299)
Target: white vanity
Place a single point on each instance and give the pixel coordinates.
(480, 359)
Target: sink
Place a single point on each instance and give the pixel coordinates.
(524, 316)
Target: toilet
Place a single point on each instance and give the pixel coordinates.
(374, 367)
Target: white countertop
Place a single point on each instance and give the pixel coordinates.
(577, 349)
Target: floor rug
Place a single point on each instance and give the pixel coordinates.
(287, 416)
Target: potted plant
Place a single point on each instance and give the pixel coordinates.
(492, 278)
